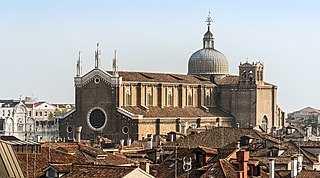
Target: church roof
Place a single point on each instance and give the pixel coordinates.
(156, 111)
(162, 77)
(227, 80)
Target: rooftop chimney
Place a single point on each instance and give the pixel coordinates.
(129, 142)
(78, 134)
(184, 128)
(237, 145)
(122, 142)
(239, 174)
(243, 158)
(294, 169)
(144, 165)
(271, 167)
(300, 160)
(149, 139)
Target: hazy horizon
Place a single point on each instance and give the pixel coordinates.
(40, 42)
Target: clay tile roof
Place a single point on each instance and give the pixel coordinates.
(155, 111)
(208, 150)
(217, 137)
(100, 171)
(227, 80)
(32, 164)
(62, 167)
(302, 174)
(162, 78)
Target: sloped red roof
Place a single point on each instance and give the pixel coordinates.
(162, 78)
(99, 171)
(155, 111)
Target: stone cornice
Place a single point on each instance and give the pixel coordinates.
(97, 72)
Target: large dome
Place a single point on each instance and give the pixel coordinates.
(208, 61)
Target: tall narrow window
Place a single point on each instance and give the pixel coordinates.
(149, 98)
(190, 99)
(128, 97)
(170, 98)
(208, 98)
(264, 124)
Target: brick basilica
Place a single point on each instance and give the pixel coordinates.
(118, 104)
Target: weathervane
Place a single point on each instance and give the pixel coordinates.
(209, 20)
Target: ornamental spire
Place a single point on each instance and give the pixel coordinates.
(97, 57)
(115, 64)
(79, 66)
(209, 20)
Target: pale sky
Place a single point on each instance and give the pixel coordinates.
(40, 40)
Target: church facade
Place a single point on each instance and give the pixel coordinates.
(118, 104)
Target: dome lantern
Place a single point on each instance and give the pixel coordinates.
(208, 61)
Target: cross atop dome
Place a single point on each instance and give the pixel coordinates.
(209, 20)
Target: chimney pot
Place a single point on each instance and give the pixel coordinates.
(243, 158)
(294, 168)
(271, 168)
(78, 134)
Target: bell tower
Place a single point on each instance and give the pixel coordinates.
(251, 73)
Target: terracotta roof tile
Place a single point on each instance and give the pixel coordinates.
(162, 78)
(155, 111)
(217, 137)
(99, 171)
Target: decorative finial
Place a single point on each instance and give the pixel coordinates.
(79, 66)
(209, 20)
(115, 64)
(20, 98)
(97, 57)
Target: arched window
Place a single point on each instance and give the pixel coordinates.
(128, 97)
(218, 122)
(207, 100)
(149, 98)
(264, 124)
(190, 99)
(244, 74)
(178, 125)
(170, 98)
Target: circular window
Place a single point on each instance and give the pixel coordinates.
(69, 129)
(97, 119)
(97, 80)
(125, 130)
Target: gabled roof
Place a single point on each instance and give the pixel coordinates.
(155, 111)
(9, 160)
(220, 137)
(302, 174)
(33, 164)
(206, 150)
(162, 78)
(104, 171)
(308, 110)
